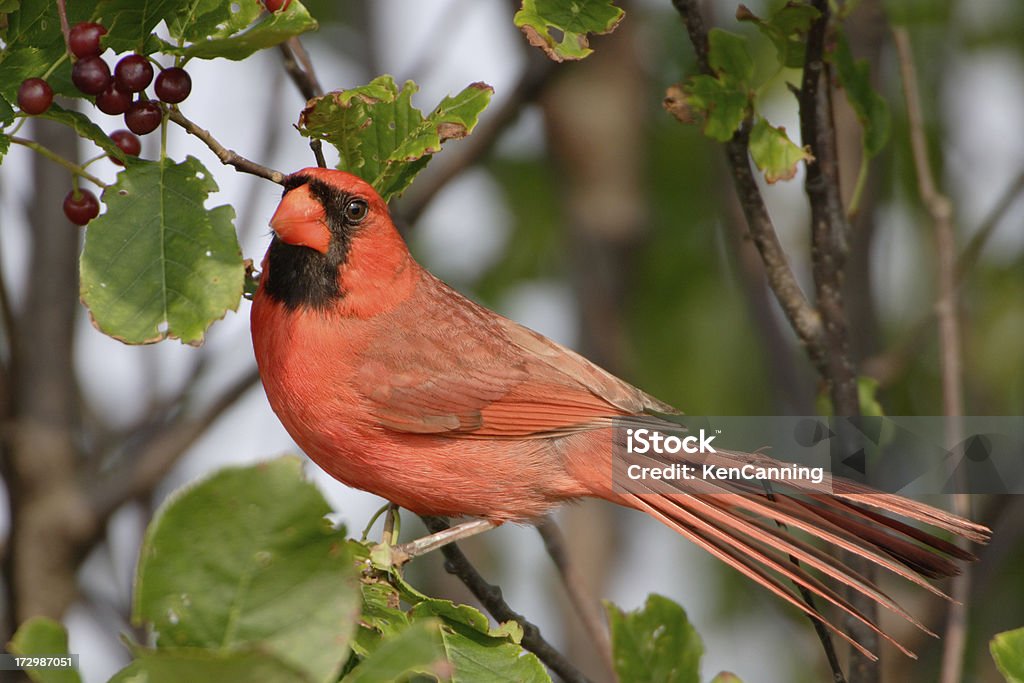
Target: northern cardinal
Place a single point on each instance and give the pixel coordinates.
(396, 384)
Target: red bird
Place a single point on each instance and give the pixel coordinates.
(396, 384)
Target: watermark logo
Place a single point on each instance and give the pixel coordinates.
(653, 441)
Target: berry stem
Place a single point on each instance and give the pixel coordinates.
(163, 134)
(62, 12)
(53, 67)
(75, 169)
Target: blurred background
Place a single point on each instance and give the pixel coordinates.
(578, 208)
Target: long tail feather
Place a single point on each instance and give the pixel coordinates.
(747, 527)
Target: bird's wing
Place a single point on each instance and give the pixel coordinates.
(462, 370)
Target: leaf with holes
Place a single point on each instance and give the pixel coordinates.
(560, 27)
(246, 561)
(158, 263)
(381, 137)
(774, 153)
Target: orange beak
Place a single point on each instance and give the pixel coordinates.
(300, 220)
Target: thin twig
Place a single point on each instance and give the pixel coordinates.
(941, 211)
(139, 473)
(803, 317)
(489, 595)
(970, 254)
(886, 366)
(227, 157)
(299, 68)
(58, 159)
(585, 605)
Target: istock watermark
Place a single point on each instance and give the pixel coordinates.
(761, 454)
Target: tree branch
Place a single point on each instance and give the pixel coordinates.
(227, 157)
(941, 211)
(803, 318)
(139, 472)
(299, 68)
(489, 595)
(830, 231)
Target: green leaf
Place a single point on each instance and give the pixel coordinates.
(203, 19)
(787, 29)
(657, 643)
(774, 153)
(43, 636)
(729, 56)
(84, 126)
(872, 110)
(6, 111)
(5, 144)
(416, 649)
(560, 27)
(723, 106)
(245, 560)
(158, 263)
(130, 23)
(7, 6)
(197, 665)
(1008, 650)
(271, 30)
(381, 137)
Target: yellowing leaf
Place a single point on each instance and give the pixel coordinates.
(774, 153)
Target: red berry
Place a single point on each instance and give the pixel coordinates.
(84, 39)
(113, 100)
(275, 5)
(91, 75)
(34, 96)
(128, 143)
(143, 117)
(173, 85)
(81, 209)
(133, 73)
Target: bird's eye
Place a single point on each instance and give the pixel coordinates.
(355, 211)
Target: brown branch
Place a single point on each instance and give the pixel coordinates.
(803, 318)
(139, 472)
(299, 68)
(830, 232)
(941, 211)
(886, 366)
(227, 157)
(585, 605)
(489, 595)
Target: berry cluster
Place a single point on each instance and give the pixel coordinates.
(120, 92)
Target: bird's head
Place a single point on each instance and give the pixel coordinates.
(333, 240)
